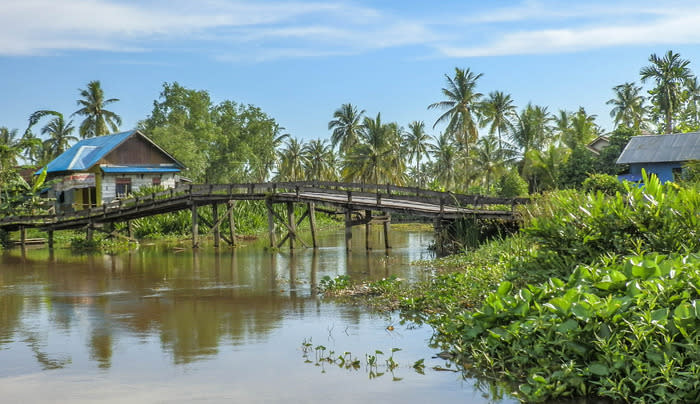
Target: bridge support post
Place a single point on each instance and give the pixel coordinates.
(312, 223)
(215, 218)
(387, 231)
(232, 223)
(271, 224)
(292, 224)
(89, 232)
(22, 236)
(348, 230)
(368, 229)
(129, 229)
(195, 226)
(50, 239)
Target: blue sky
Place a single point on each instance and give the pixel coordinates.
(300, 60)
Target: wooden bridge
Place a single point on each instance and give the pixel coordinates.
(361, 204)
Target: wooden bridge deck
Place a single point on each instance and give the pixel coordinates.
(342, 196)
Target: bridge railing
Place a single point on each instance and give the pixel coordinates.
(447, 198)
(260, 190)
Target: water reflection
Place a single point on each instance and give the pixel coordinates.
(193, 301)
(196, 322)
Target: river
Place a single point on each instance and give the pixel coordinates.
(169, 324)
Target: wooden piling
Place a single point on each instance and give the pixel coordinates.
(271, 224)
(129, 230)
(217, 225)
(50, 239)
(195, 226)
(89, 231)
(368, 229)
(387, 231)
(291, 221)
(22, 236)
(348, 230)
(232, 222)
(312, 223)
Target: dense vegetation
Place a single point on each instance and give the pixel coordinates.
(599, 295)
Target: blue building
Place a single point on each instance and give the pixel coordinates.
(101, 169)
(663, 155)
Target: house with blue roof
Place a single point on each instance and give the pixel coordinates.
(102, 169)
(662, 155)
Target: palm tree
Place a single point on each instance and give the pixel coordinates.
(319, 161)
(542, 167)
(292, 161)
(270, 158)
(693, 89)
(416, 142)
(498, 111)
(670, 73)
(375, 159)
(10, 149)
(445, 157)
(628, 106)
(98, 120)
(490, 159)
(582, 129)
(59, 133)
(462, 105)
(346, 127)
(531, 130)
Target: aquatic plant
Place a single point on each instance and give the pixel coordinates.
(626, 329)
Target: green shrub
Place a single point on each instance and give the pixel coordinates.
(569, 228)
(511, 185)
(604, 183)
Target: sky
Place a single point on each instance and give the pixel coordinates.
(300, 60)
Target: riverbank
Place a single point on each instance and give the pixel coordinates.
(596, 297)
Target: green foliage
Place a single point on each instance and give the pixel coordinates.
(21, 198)
(624, 330)
(328, 284)
(221, 143)
(580, 164)
(511, 185)
(604, 183)
(606, 160)
(691, 172)
(570, 228)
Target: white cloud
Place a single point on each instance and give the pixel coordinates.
(672, 28)
(257, 30)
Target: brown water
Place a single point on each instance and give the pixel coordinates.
(167, 325)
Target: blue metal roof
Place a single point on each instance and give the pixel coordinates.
(139, 169)
(86, 153)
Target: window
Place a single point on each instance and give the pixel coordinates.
(123, 188)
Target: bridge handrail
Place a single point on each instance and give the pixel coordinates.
(264, 188)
